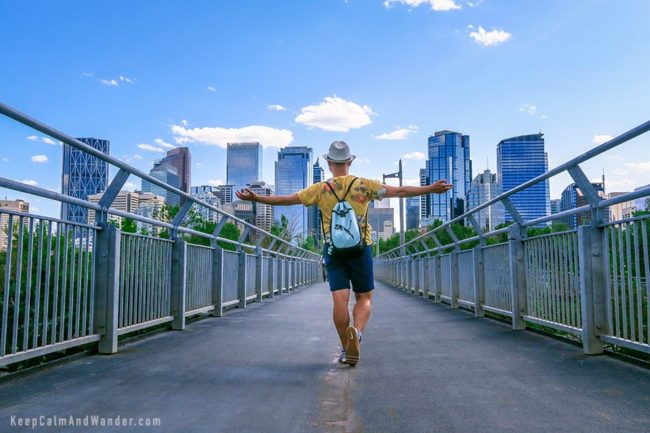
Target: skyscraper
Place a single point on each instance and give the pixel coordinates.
(520, 159)
(573, 197)
(314, 226)
(243, 164)
(207, 194)
(484, 188)
(181, 159)
(449, 158)
(264, 214)
(12, 205)
(82, 175)
(293, 172)
(412, 213)
(163, 170)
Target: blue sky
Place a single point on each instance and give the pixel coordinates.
(382, 76)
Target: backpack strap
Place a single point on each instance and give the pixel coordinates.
(334, 189)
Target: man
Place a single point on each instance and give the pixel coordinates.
(358, 192)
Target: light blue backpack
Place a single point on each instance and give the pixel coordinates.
(346, 239)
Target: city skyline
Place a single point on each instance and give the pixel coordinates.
(534, 67)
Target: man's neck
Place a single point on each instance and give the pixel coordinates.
(337, 173)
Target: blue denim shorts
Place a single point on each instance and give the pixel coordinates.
(357, 270)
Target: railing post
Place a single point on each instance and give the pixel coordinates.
(455, 281)
(424, 264)
(259, 274)
(593, 287)
(437, 279)
(217, 281)
(280, 275)
(178, 283)
(272, 276)
(479, 281)
(107, 272)
(241, 279)
(517, 276)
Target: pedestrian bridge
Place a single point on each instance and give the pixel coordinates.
(263, 357)
(272, 368)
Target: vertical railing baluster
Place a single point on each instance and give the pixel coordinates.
(178, 282)
(517, 276)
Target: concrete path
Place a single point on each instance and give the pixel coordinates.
(271, 368)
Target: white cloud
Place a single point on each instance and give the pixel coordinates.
(5, 159)
(436, 5)
(184, 122)
(641, 167)
(127, 79)
(29, 182)
(150, 148)
(34, 209)
(163, 143)
(216, 182)
(211, 89)
(39, 158)
(109, 82)
(48, 140)
(335, 114)
(601, 138)
(528, 109)
(199, 164)
(398, 134)
(265, 135)
(474, 4)
(138, 157)
(87, 74)
(130, 186)
(414, 155)
(493, 37)
(620, 184)
(32, 138)
(275, 107)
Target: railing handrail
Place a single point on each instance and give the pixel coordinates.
(56, 134)
(616, 141)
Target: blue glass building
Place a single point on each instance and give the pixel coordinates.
(520, 159)
(293, 172)
(449, 158)
(164, 171)
(83, 175)
(412, 213)
(243, 164)
(314, 226)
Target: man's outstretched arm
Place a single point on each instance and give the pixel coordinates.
(438, 187)
(273, 200)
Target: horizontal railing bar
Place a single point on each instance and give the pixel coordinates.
(629, 196)
(139, 235)
(144, 325)
(626, 220)
(44, 350)
(554, 325)
(628, 344)
(564, 232)
(496, 310)
(555, 216)
(45, 218)
(46, 193)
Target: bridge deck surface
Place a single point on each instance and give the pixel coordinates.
(271, 368)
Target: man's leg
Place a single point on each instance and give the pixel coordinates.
(362, 310)
(341, 315)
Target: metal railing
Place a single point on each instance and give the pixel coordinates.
(591, 282)
(65, 284)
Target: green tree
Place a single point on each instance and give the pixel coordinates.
(129, 226)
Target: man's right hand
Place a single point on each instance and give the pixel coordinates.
(247, 195)
(440, 186)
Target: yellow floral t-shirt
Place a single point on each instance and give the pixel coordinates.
(359, 197)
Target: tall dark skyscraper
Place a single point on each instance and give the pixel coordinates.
(83, 175)
(181, 159)
(164, 171)
(314, 227)
(412, 213)
(293, 172)
(520, 159)
(243, 164)
(573, 197)
(449, 158)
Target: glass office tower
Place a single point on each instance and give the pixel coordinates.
(449, 158)
(243, 164)
(520, 159)
(293, 172)
(412, 213)
(163, 171)
(181, 159)
(82, 175)
(314, 226)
